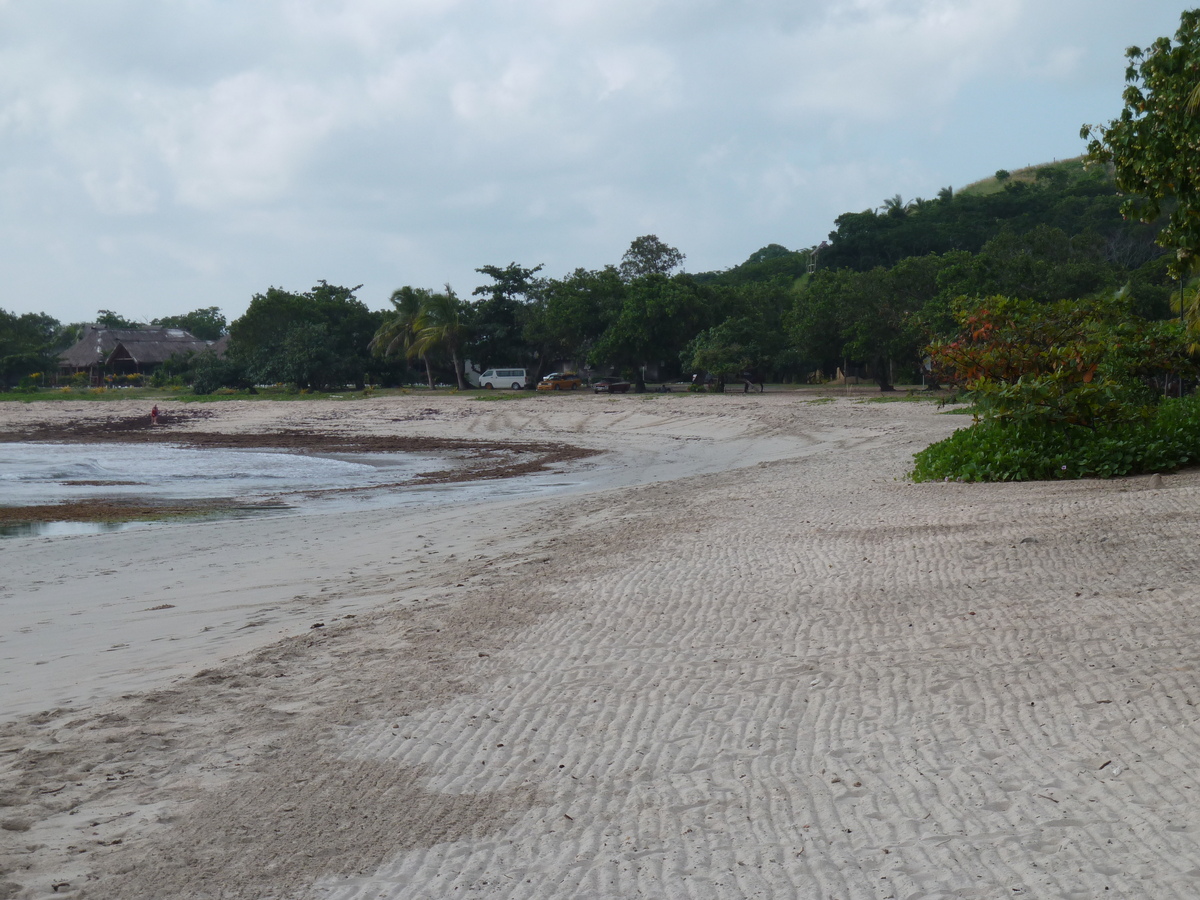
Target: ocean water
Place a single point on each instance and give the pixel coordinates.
(36, 474)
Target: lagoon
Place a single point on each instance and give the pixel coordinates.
(37, 473)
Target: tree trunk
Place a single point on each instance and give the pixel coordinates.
(458, 371)
(428, 371)
(885, 383)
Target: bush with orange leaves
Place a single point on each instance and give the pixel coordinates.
(1083, 363)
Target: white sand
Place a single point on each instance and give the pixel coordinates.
(739, 656)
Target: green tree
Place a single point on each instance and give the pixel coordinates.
(1044, 264)
(870, 317)
(208, 323)
(1054, 176)
(443, 325)
(400, 332)
(767, 253)
(571, 313)
(1071, 199)
(1154, 144)
(106, 318)
(498, 318)
(307, 357)
(895, 207)
(772, 263)
(816, 321)
(739, 346)
(880, 327)
(658, 316)
(647, 255)
(206, 372)
(316, 339)
(29, 343)
(719, 351)
(1152, 292)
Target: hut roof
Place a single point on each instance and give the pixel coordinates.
(142, 345)
(152, 349)
(92, 349)
(221, 345)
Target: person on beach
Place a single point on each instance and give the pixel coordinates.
(154, 415)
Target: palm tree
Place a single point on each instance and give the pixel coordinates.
(895, 206)
(946, 194)
(444, 325)
(401, 332)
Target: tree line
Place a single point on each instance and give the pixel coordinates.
(867, 301)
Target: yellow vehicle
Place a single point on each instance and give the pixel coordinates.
(560, 381)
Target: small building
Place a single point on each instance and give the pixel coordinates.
(126, 351)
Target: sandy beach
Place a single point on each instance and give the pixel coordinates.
(716, 647)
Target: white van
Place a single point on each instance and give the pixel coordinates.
(503, 378)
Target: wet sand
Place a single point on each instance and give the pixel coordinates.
(740, 656)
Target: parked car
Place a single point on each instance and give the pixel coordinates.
(610, 385)
(560, 381)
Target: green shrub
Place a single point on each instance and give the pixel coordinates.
(1073, 362)
(996, 450)
(208, 372)
(1063, 390)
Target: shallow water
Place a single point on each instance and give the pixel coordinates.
(56, 529)
(37, 474)
(49, 473)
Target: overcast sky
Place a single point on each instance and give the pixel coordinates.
(164, 155)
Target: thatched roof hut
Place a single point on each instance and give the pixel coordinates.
(128, 349)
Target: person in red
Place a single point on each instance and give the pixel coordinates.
(154, 415)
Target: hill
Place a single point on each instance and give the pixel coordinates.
(1064, 170)
(1064, 195)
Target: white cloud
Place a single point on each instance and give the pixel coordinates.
(244, 140)
(646, 73)
(1058, 64)
(879, 60)
(35, 100)
(414, 140)
(122, 193)
(505, 97)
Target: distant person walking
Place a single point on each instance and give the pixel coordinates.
(154, 415)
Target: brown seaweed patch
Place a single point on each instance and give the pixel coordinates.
(112, 510)
(95, 482)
